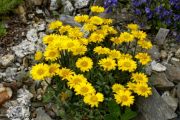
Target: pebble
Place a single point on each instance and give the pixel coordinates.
(158, 66)
(6, 60)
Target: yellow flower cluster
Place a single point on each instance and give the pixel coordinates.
(72, 54)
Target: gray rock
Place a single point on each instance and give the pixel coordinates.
(67, 19)
(161, 35)
(163, 54)
(2, 75)
(175, 62)
(32, 35)
(37, 2)
(42, 115)
(173, 73)
(154, 107)
(19, 109)
(157, 66)
(148, 69)
(177, 54)
(154, 52)
(24, 48)
(67, 6)
(178, 93)
(81, 3)
(53, 5)
(171, 101)
(6, 60)
(160, 81)
(10, 74)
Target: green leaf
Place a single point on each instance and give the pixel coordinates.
(110, 117)
(114, 108)
(128, 115)
(48, 95)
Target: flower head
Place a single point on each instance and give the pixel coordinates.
(139, 77)
(127, 65)
(97, 9)
(142, 89)
(143, 58)
(65, 73)
(117, 87)
(38, 55)
(84, 64)
(107, 64)
(75, 80)
(54, 25)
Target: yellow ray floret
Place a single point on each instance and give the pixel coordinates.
(142, 89)
(84, 64)
(143, 58)
(54, 25)
(127, 65)
(97, 9)
(38, 55)
(107, 64)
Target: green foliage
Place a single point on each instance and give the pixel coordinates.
(8, 5)
(2, 29)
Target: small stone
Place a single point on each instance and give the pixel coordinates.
(10, 74)
(177, 54)
(5, 94)
(37, 2)
(2, 75)
(81, 3)
(53, 5)
(171, 101)
(6, 60)
(154, 52)
(68, 7)
(157, 66)
(32, 35)
(42, 115)
(160, 81)
(173, 73)
(163, 54)
(178, 92)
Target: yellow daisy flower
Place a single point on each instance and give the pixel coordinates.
(139, 34)
(143, 58)
(51, 54)
(64, 29)
(47, 39)
(117, 40)
(96, 38)
(39, 71)
(139, 77)
(145, 44)
(116, 87)
(101, 50)
(38, 55)
(81, 18)
(84, 64)
(133, 26)
(89, 27)
(125, 56)
(75, 33)
(114, 54)
(83, 41)
(75, 80)
(70, 44)
(65, 73)
(79, 50)
(96, 20)
(131, 86)
(55, 24)
(124, 97)
(93, 99)
(107, 21)
(127, 65)
(97, 9)
(142, 89)
(53, 69)
(126, 37)
(107, 64)
(84, 89)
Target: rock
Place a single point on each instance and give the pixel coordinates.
(42, 115)
(19, 108)
(157, 66)
(21, 11)
(161, 36)
(177, 54)
(41, 26)
(154, 107)
(53, 5)
(6, 60)
(66, 19)
(67, 7)
(10, 74)
(171, 101)
(154, 52)
(37, 2)
(32, 35)
(81, 3)
(148, 69)
(5, 94)
(178, 92)
(163, 54)
(2, 75)
(175, 62)
(173, 73)
(160, 81)
(24, 48)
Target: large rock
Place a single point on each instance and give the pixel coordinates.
(160, 81)
(154, 107)
(178, 93)
(6, 60)
(171, 101)
(173, 73)
(42, 115)
(154, 52)
(158, 67)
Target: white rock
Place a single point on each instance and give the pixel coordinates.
(53, 5)
(171, 101)
(41, 26)
(24, 48)
(2, 75)
(6, 60)
(32, 35)
(10, 74)
(19, 109)
(158, 67)
(68, 7)
(81, 3)
(178, 53)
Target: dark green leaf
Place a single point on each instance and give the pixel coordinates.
(128, 115)
(110, 117)
(114, 108)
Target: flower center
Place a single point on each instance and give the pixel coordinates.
(124, 98)
(143, 89)
(94, 98)
(107, 63)
(50, 39)
(40, 71)
(84, 89)
(77, 80)
(127, 64)
(52, 53)
(52, 69)
(84, 64)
